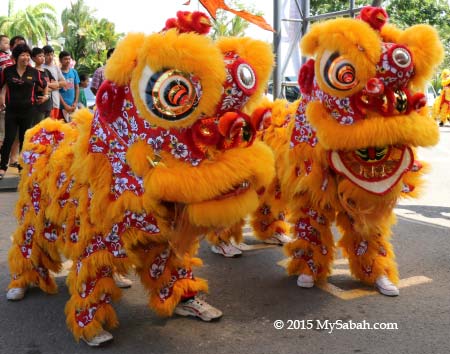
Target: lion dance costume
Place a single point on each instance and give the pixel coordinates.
(441, 107)
(351, 151)
(168, 155)
(269, 219)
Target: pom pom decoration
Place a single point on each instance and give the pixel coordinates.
(187, 21)
(376, 17)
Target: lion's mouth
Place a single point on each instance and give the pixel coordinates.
(237, 190)
(376, 170)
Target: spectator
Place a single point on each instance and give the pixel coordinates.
(50, 65)
(43, 110)
(5, 60)
(84, 82)
(5, 55)
(21, 80)
(14, 154)
(69, 96)
(99, 74)
(16, 40)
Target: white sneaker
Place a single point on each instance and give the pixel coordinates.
(101, 338)
(305, 281)
(226, 249)
(386, 287)
(198, 308)
(16, 294)
(242, 246)
(278, 239)
(121, 281)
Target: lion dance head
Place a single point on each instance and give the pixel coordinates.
(174, 121)
(363, 95)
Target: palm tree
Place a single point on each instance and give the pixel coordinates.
(87, 38)
(100, 36)
(75, 21)
(34, 23)
(5, 20)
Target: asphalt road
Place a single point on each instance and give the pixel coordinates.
(253, 292)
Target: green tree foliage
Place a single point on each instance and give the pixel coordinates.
(229, 25)
(321, 6)
(87, 38)
(35, 23)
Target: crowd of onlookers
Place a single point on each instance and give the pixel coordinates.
(32, 88)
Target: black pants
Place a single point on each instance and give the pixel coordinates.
(15, 120)
(39, 117)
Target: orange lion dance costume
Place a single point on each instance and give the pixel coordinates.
(269, 220)
(441, 107)
(168, 155)
(351, 153)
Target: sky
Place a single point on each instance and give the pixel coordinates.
(144, 15)
(149, 16)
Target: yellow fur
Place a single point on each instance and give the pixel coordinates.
(423, 42)
(445, 77)
(352, 39)
(319, 193)
(68, 188)
(187, 52)
(441, 106)
(123, 61)
(415, 129)
(247, 48)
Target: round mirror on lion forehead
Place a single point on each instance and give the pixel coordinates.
(170, 94)
(401, 57)
(246, 76)
(396, 66)
(242, 73)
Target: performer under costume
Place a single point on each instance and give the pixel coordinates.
(269, 220)
(441, 107)
(168, 155)
(351, 154)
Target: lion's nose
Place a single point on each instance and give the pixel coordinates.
(374, 87)
(236, 129)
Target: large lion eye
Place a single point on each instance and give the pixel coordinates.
(170, 94)
(338, 72)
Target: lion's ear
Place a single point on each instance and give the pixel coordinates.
(310, 41)
(124, 59)
(427, 51)
(258, 55)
